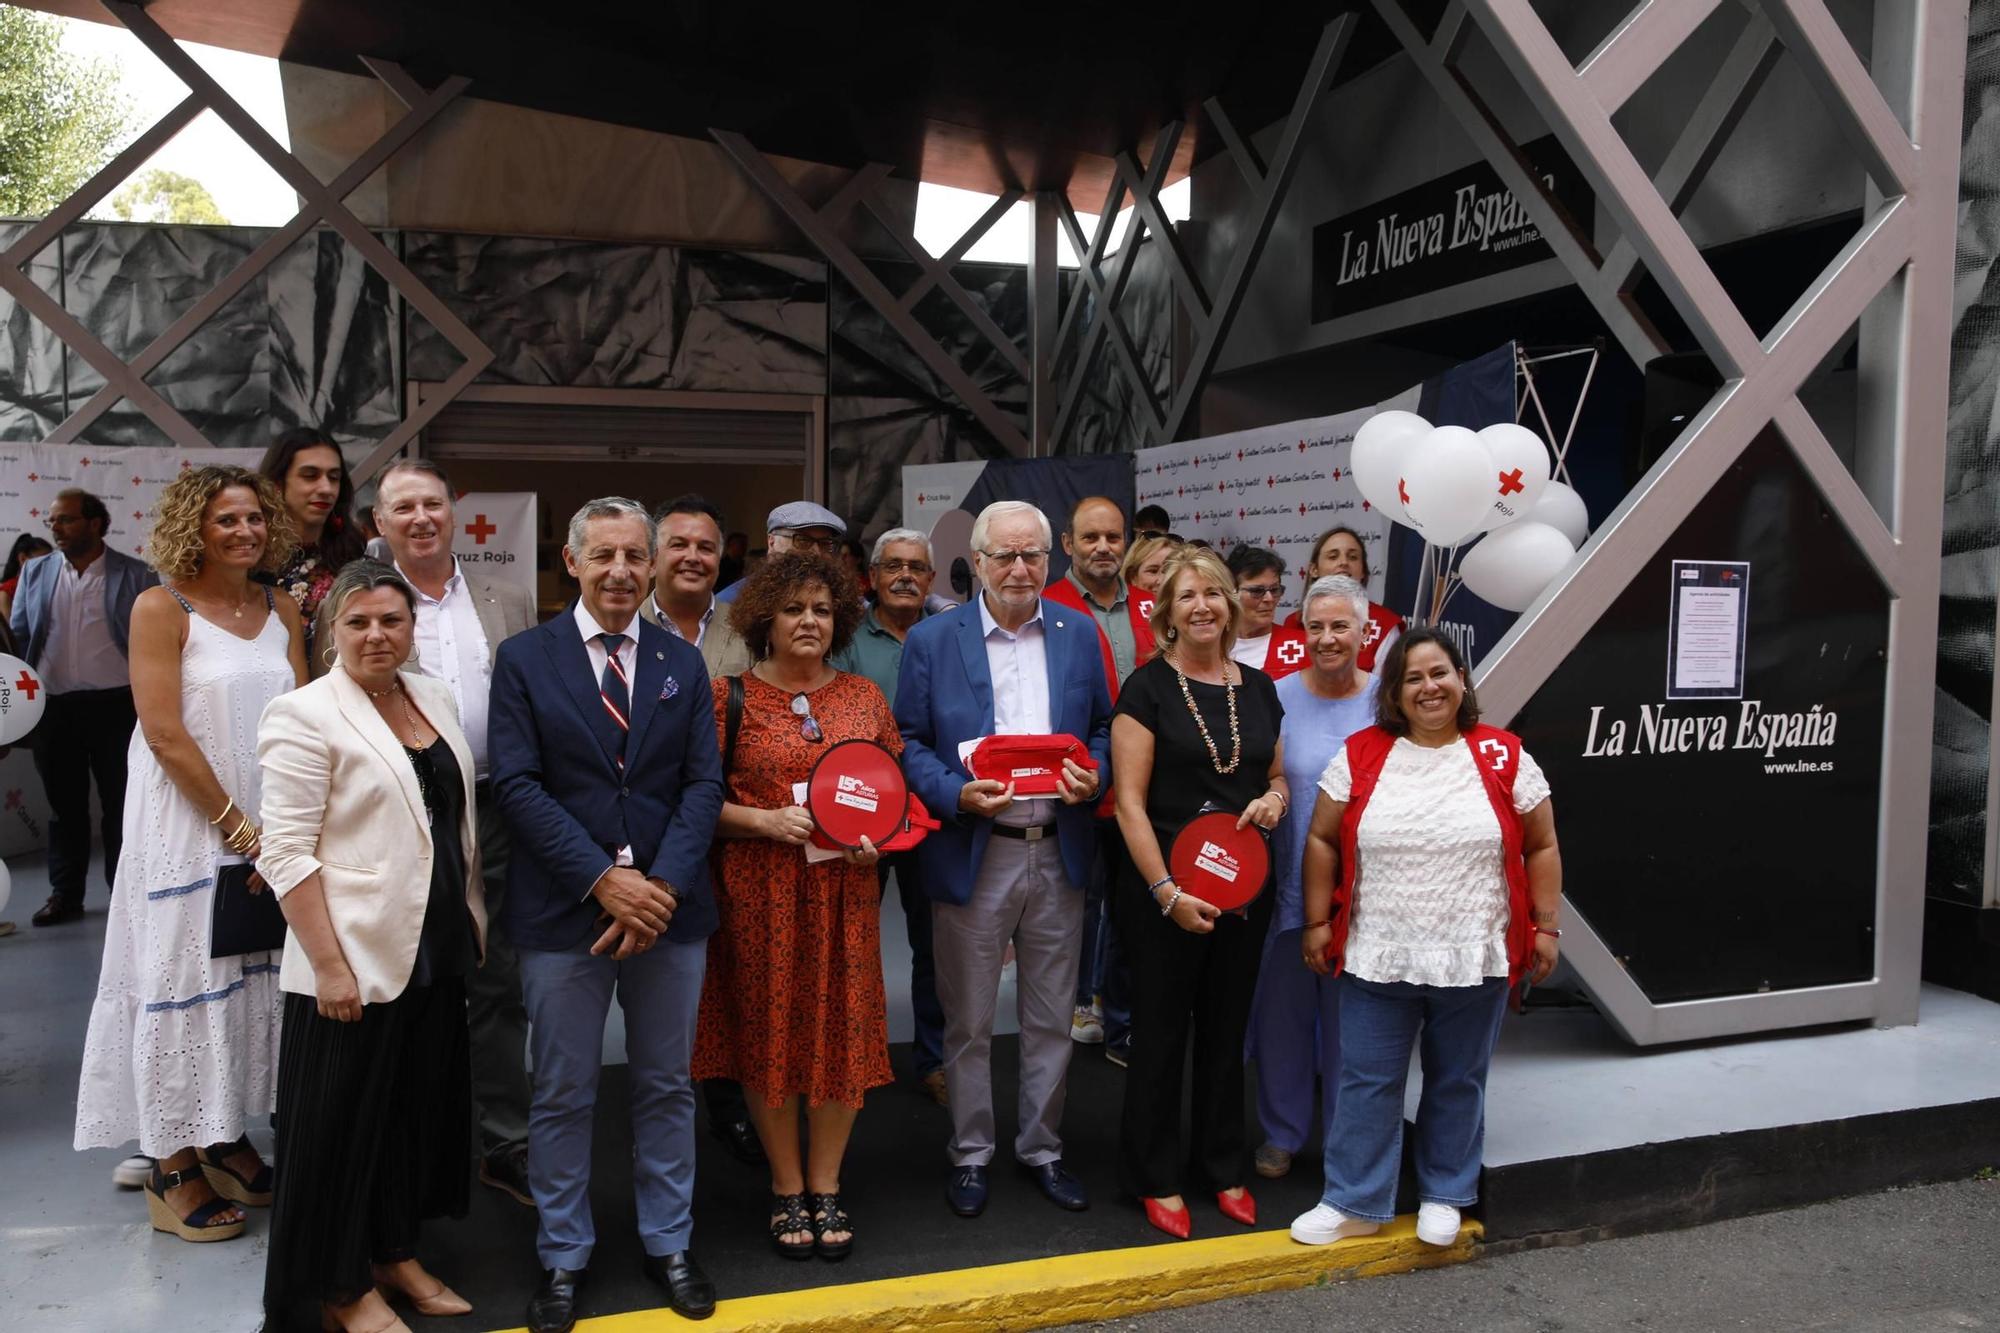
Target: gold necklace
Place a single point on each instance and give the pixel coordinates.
(1235, 735)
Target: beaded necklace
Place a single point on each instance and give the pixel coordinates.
(1235, 735)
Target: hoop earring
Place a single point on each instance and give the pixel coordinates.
(328, 656)
(1172, 633)
(416, 655)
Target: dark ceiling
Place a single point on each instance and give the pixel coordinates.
(1035, 95)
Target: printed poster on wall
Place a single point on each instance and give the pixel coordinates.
(129, 481)
(496, 535)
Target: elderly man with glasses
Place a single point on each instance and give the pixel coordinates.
(797, 525)
(1006, 869)
(1276, 650)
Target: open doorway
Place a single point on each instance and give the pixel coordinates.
(747, 453)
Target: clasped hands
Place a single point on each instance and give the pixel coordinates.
(640, 909)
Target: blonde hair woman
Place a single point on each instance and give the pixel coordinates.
(183, 1048)
(1213, 725)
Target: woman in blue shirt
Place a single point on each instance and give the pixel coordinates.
(1295, 1019)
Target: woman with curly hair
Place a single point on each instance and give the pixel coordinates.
(183, 1047)
(312, 481)
(792, 1004)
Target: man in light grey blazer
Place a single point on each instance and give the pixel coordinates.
(463, 615)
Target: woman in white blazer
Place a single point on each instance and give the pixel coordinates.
(369, 842)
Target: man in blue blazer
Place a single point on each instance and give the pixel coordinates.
(72, 614)
(604, 759)
(1004, 869)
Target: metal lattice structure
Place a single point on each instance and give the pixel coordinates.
(1893, 280)
(320, 202)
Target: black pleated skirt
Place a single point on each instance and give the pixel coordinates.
(374, 1135)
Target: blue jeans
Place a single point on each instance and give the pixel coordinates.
(1379, 1022)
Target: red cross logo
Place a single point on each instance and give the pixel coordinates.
(1291, 652)
(1365, 506)
(1372, 633)
(1497, 750)
(1239, 455)
(137, 515)
(1336, 474)
(14, 798)
(136, 481)
(1242, 513)
(83, 462)
(1145, 608)
(34, 513)
(1302, 509)
(1302, 446)
(1402, 491)
(1270, 482)
(1510, 483)
(27, 685)
(479, 529)
(33, 477)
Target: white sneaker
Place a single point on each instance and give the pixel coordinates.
(133, 1172)
(1086, 1025)
(1326, 1224)
(1437, 1224)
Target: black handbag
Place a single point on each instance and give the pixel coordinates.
(240, 921)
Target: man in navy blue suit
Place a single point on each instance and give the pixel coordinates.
(1005, 869)
(605, 762)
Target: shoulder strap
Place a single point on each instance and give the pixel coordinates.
(175, 593)
(732, 722)
(270, 600)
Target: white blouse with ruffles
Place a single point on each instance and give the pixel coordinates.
(1430, 902)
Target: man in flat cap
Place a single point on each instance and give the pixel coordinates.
(797, 525)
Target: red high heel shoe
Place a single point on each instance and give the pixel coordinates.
(1175, 1221)
(1242, 1208)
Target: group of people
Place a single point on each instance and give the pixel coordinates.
(479, 828)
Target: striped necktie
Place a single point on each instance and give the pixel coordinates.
(615, 690)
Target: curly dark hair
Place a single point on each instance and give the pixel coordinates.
(175, 546)
(777, 581)
(1389, 698)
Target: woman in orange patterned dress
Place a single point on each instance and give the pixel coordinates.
(792, 1006)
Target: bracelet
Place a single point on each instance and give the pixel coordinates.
(1155, 885)
(1283, 800)
(225, 813)
(1168, 910)
(1315, 925)
(1549, 931)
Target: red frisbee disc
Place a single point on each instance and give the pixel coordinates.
(1218, 862)
(857, 791)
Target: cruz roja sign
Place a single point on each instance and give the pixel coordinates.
(1441, 233)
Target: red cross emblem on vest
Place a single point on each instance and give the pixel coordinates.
(1494, 752)
(1291, 652)
(1145, 608)
(1372, 633)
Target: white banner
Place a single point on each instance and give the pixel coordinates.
(496, 535)
(1277, 487)
(931, 490)
(129, 481)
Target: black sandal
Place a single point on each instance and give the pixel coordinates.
(788, 1215)
(231, 1184)
(828, 1215)
(198, 1226)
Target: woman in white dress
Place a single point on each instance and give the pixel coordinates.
(183, 1048)
(1432, 885)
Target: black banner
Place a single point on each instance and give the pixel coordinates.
(1727, 846)
(1441, 233)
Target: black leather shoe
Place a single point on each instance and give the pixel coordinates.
(56, 911)
(506, 1170)
(552, 1309)
(740, 1139)
(689, 1291)
(966, 1191)
(1064, 1190)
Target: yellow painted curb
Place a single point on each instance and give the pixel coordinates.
(1066, 1289)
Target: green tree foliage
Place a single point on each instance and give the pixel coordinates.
(60, 118)
(166, 196)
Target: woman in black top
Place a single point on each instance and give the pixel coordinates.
(1209, 727)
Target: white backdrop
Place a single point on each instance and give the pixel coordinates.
(127, 480)
(1277, 487)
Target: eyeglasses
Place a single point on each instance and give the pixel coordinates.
(1258, 590)
(895, 567)
(1032, 556)
(808, 724)
(826, 544)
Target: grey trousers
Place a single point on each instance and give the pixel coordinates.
(496, 1021)
(1021, 894)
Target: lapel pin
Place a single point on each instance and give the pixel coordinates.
(659, 656)
(1059, 624)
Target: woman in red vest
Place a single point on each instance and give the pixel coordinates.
(1432, 886)
(1340, 550)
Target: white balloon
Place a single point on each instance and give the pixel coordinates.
(1376, 460)
(1520, 471)
(1562, 509)
(1446, 485)
(22, 698)
(6, 886)
(1510, 566)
